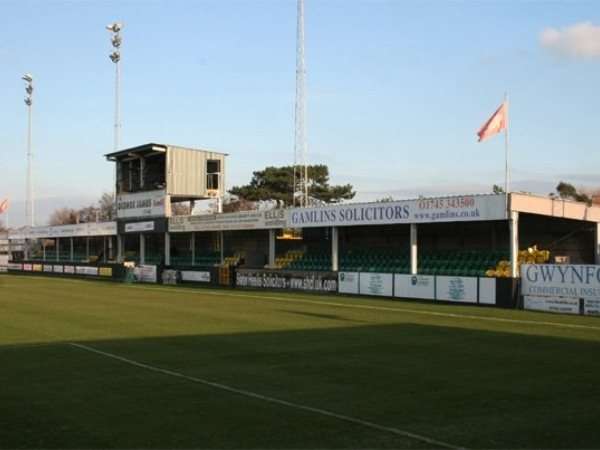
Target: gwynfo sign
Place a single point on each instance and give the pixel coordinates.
(553, 287)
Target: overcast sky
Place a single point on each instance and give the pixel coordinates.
(397, 91)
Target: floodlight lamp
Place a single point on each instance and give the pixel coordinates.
(116, 41)
(114, 27)
(115, 57)
(29, 89)
(27, 77)
(28, 101)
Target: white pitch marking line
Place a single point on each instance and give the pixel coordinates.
(265, 398)
(384, 308)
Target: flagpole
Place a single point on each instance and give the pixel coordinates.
(506, 144)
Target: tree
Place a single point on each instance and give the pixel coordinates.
(276, 184)
(107, 208)
(103, 211)
(497, 189)
(568, 192)
(63, 216)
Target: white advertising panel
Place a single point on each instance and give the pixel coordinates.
(414, 286)
(139, 226)
(145, 273)
(444, 209)
(86, 270)
(561, 280)
(248, 220)
(562, 305)
(591, 307)
(456, 289)
(487, 291)
(190, 275)
(58, 269)
(381, 284)
(82, 229)
(348, 282)
(141, 204)
(15, 266)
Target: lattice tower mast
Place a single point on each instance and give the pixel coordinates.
(300, 162)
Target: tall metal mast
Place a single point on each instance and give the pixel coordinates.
(29, 213)
(300, 163)
(115, 57)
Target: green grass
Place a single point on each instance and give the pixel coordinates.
(465, 376)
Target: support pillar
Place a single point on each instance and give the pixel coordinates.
(597, 245)
(335, 240)
(272, 249)
(514, 243)
(413, 249)
(120, 248)
(167, 248)
(142, 248)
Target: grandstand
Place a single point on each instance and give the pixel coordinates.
(471, 237)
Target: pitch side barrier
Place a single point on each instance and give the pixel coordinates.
(453, 289)
(69, 269)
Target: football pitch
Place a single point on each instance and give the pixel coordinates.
(92, 365)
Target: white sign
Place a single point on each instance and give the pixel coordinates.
(78, 230)
(189, 275)
(381, 284)
(348, 282)
(467, 208)
(246, 220)
(591, 307)
(456, 289)
(414, 286)
(86, 270)
(487, 291)
(139, 226)
(552, 304)
(141, 204)
(446, 209)
(561, 280)
(145, 273)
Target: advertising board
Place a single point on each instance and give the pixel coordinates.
(288, 280)
(196, 276)
(456, 289)
(487, 291)
(145, 273)
(141, 204)
(348, 282)
(561, 280)
(414, 286)
(562, 305)
(380, 284)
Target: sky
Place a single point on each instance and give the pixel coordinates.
(396, 92)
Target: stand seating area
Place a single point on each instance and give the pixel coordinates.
(441, 262)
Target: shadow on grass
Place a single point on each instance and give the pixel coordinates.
(469, 388)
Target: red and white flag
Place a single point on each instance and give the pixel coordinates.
(4, 206)
(494, 124)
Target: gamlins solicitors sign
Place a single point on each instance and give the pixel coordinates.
(141, 204)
